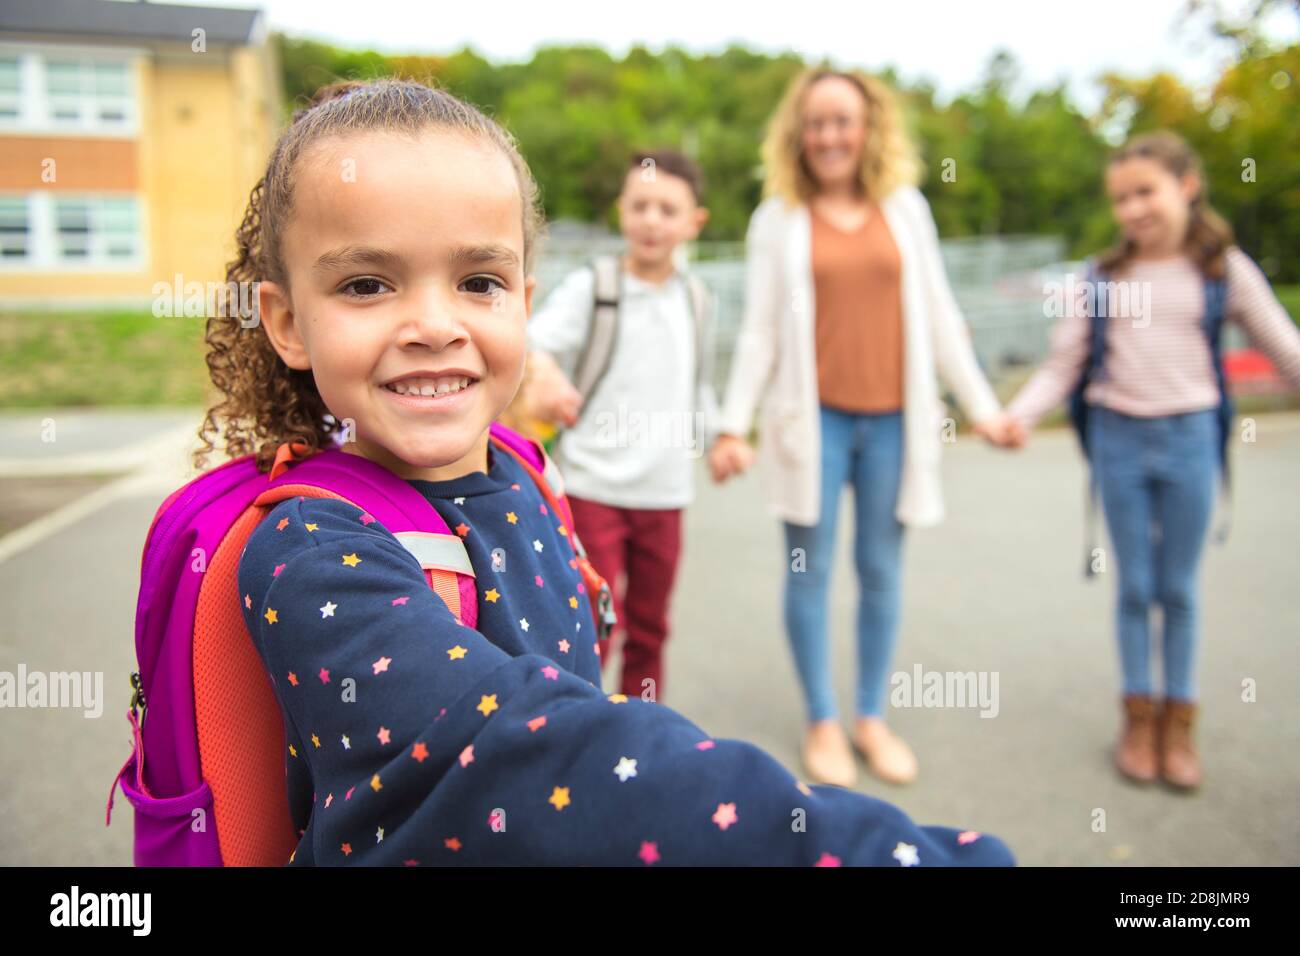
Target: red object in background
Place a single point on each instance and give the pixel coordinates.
(1250, 372)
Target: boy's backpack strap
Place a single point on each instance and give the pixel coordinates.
(599, 349)
(701, 312)
(702, 305)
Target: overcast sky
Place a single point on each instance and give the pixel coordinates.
(946, 41)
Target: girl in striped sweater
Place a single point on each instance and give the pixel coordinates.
(1154, 429)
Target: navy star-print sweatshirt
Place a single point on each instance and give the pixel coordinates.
(412, 740)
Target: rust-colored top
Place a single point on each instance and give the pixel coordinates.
(857, 279)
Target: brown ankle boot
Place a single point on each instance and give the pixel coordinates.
(1136, 753)
(1179, 763)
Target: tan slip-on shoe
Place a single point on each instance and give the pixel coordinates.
(887, 755)
(826, 754)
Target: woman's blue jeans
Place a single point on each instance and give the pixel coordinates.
(864, 451)
(1157, 479)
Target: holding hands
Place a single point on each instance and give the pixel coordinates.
(729, 456)
(548, 393)
(1002, 430)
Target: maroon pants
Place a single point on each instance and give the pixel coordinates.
(640, 547)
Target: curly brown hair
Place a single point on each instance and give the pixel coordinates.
(263, 402)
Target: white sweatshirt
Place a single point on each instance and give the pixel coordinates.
(642, 430)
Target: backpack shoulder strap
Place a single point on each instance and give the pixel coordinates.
(551, 486)
(401, 509)
(702, 316)
(539, 465)
(1216, 296)
(1096, 293)
(599, 349)
(1097, 305)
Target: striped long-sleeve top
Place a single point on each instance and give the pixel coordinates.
(414, 740)
(1158, 361)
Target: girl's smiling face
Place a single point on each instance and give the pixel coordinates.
(1151, 205)
(403, 261)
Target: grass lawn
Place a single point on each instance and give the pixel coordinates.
(100, 358)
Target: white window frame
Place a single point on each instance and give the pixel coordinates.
(16, 99)
(43, 236)
(7, 262)
(35, 102)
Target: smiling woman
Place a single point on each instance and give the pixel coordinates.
(849, 324)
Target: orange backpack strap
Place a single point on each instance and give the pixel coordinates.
(442, 556)
(285, 455)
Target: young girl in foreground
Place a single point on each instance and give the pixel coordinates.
(1154, 428)
(392, 236)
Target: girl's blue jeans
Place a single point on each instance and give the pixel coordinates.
(1157, 480)
(864, 451)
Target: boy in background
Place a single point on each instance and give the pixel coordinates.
(620, 359)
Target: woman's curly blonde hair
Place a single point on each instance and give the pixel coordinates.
(264, 402)
(889, 158)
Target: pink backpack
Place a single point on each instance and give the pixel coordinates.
(213, 792)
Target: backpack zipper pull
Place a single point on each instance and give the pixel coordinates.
(138, 703)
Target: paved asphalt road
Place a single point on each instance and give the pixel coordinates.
(995, 589)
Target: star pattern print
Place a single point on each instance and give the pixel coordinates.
(426, 743)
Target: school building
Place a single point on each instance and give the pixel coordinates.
(130, 136)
